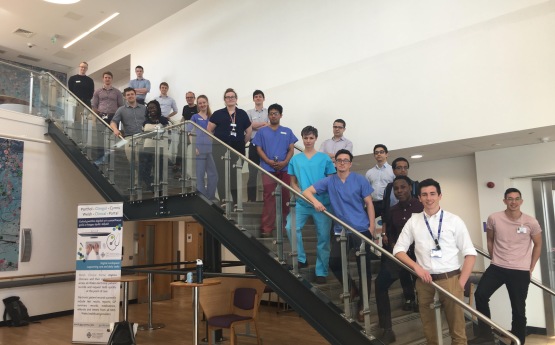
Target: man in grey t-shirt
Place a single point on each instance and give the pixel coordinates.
(259, 119)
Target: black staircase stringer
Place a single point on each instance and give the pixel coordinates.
(323, 316)
(95, 177)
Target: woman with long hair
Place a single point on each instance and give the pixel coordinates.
(203, 151)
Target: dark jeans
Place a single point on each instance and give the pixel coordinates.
(253, 173)
(517, 282)
(219, 151)
(378, 208)
(146, 167)
(389, 273)
(353, 242)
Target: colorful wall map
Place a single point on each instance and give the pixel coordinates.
(11, 175)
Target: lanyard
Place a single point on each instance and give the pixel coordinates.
(438, 228)
(233, 116)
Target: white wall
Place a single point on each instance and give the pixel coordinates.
(514, 167)
(52, 189)
(480, 66)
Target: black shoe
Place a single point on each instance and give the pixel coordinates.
(482, 340)
(387, 337)
(303, 264)
(320, 280)
(408, 306)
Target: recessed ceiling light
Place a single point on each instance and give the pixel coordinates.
(91, 30)
(416, 156)
(62, 2)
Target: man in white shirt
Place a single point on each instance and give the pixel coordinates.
(379, 176)
(338, 141)
(169, 111)
(439, 237)
(259, 119)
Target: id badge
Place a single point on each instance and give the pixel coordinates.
(233, 134)
(521, 230)
(436, 253)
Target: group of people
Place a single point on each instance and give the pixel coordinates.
(415, 228)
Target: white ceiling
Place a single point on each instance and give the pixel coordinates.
(66, 22)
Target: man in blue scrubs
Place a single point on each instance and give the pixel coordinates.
(305, 169)
(275, 146)
(348, 193)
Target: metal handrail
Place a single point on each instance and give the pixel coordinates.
(532, 280)
(371, 243)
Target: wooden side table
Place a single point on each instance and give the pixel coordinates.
(125, 280)
(195, 287)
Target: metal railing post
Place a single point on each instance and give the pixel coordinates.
(239, 201)
(31, 81)
(346, 295)
(293, 236)
(436, 305)
(228, 201)
(279, 223)
(364, 281)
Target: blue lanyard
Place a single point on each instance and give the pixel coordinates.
(438, 228)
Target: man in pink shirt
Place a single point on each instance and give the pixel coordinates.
(514, 244)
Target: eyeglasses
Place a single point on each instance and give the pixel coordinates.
(190, 97)
(274, 113)
(380, 152)
(513, 199)
(229, 97)
(401, 168)
(342, 161)
(338, 127)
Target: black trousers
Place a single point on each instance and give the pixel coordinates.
(517, 283)
(253, 173)
(218, 151)
(389, 273)
(353, 242)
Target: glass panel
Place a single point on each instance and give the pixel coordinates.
(21, 90)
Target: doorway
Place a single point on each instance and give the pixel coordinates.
(544, 200)
(156, 246)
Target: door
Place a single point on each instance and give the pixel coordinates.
(156, 247)
(544, 200)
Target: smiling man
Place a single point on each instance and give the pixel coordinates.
(439, 237)
(514, 244)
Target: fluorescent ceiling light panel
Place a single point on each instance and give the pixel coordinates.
(63, 2)
(416, 156)
(91, 30)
